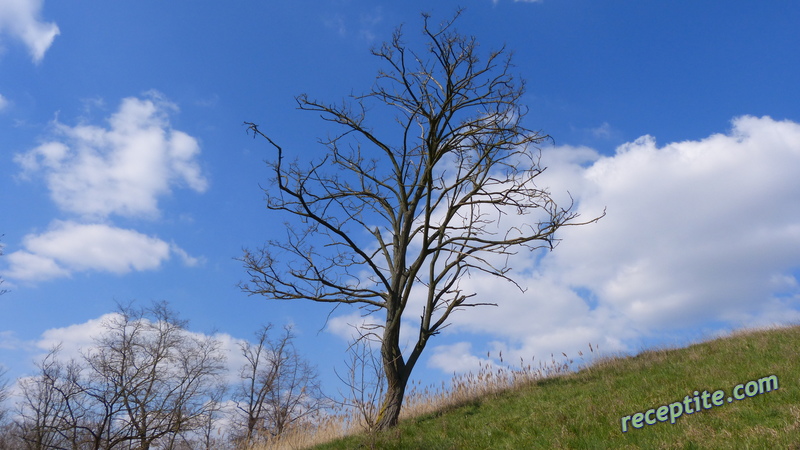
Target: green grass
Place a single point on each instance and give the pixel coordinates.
(583, 410)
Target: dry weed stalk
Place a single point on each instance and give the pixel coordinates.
(490, 379)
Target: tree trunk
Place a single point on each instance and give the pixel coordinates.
(392, 401)
(396, 372)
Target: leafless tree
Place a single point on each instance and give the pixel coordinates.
(256, 381)
(210, 432)
(3, 394)
(365, 381)
(296, 394)
(278, 387)
(146, 381)
(152, 375)
(389, 215)
(8, 438)
(50, 414)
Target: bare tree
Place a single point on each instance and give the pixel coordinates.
(153, 377)
(146, 381)
(3, 394)
(7, 437)
(278, 387)
(5, 426)
(296, 394)
(256, 381)
(409, 214)
(49, 416)
(365, 381)
(210, 431)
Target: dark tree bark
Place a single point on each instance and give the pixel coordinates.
(429, 197)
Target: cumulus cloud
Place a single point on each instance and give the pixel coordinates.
(699, 237)
(695, 230)
(122, 169)
(94, 173)
(456, 358)
(74, 339)
(69, 247)
(20, 19)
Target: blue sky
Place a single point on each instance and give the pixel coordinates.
(126, 172)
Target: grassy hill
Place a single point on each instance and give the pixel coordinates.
(585, 409)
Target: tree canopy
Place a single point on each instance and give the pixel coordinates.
(391, 215)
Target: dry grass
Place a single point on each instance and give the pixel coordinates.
(552, 406)
(420, 400)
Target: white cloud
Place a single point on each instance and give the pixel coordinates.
(123, 169)
(20, 19)
(10, 341)
(95, 172)
(348, 326)
(188, 260)
(336, 22)
(364, 27)
(75, 338)
(69, 247)
(695, 230)
(24, 265)
(456, 358)
(355, 324)
(604, 131)
(699, 236)
(3, 103)
(369, 22)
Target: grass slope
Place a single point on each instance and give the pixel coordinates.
(583, 410)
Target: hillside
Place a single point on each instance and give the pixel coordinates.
(586, 409)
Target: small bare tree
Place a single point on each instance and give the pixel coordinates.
(209, 433)
(3, 394)
(278, 387)
(365, 381)
(388, 218)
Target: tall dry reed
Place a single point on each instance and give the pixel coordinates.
(490, 379)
